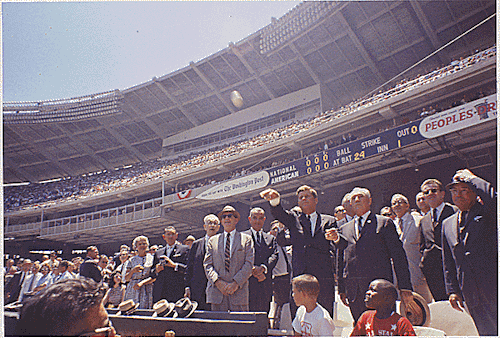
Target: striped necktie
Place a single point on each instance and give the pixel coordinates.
(227, 252)
(434, 215)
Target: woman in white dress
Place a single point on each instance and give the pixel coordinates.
(137, 269)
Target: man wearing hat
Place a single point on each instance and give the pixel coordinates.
(470, 251)
(196, 280)
(228, 265)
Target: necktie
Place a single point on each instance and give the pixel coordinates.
(359, 224)
(227, 252)
(311, 223)
(31, 283)
(259, 238)
(399, 228)
(434, 215)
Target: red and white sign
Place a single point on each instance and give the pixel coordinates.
(464, 116)
(184, 194)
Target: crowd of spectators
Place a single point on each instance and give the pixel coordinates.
(40, 195)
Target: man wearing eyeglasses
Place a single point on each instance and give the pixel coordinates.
(266, 257)
(408, 227)
(228, 265)
(431, 263)
(196, 280)
(470, 251)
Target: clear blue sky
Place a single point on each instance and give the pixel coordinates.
(68, 49)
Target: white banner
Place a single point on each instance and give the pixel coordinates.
(464, 116)
(247, 183)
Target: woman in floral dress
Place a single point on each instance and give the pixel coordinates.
(137, 268)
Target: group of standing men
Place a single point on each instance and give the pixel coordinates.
(448, 254)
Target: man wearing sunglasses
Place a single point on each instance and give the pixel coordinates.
(228, 265)
(430, 241)
(470, 251)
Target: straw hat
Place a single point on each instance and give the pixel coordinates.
(127, 307)
(229, 208)
(421, 316)
(163, 308)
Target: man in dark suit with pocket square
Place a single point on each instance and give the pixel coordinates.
(312, 252)
(266, 257)
(196, 280)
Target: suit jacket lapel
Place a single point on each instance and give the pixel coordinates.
(236, 242)
(201, 248)
(452, 231)
(220, 244)
(318, 226)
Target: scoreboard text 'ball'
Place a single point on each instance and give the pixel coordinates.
(236, 99)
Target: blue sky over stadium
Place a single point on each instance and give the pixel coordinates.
(68, 49)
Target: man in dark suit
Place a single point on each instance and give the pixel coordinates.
(169, 268)
(470, 251)
(312, 252)
(266, 257)
(369, 242)
(89, 266)
(431, 262)
(13, 287)
(196, 280)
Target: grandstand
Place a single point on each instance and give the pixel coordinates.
(171, 150)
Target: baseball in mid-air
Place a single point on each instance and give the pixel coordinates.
(236, 99)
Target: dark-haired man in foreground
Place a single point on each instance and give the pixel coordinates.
(72, 307)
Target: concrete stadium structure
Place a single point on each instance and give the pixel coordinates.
(317, 58)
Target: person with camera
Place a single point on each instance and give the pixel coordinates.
(169, 267)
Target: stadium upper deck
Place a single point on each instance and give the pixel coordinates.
(347, 48)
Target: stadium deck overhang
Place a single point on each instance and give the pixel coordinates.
(349, 48)
(475, 147)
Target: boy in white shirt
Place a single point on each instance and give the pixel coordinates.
(311, 318)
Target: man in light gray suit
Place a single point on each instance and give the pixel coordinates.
(228, 265)
(408, 228)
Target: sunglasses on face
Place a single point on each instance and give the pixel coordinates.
(227, 216)
(427, 192)
(212, 223)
